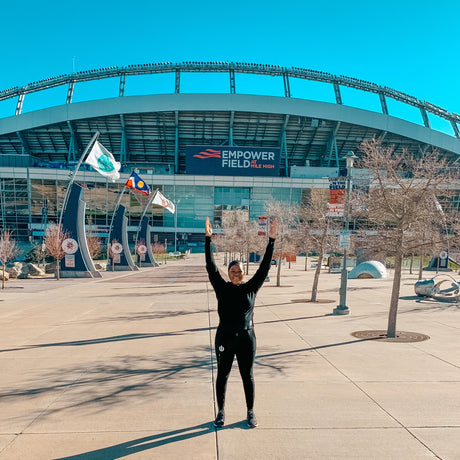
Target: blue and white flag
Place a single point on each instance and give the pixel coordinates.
(103, 162)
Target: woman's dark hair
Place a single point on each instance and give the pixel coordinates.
(233, 262)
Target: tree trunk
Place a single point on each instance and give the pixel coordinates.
(314, 288)
(420, 269)
(391, 331)
(306, 260)
(411, 263)
(278, 273)
(247, 262)
(3, 277)
(57, 268)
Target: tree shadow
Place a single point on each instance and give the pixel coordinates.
(98, 384)
(319, 347)
(155, 295)
(293, 319)
(145, 316)
(115, 338)
(150, 442)
(79, 343)
(101, 384)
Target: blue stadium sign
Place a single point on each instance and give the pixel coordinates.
(232, 161)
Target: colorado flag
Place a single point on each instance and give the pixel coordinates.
(136, 183)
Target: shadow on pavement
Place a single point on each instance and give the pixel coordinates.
(145, 443)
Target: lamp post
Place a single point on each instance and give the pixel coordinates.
(175, 224)
(342, 308)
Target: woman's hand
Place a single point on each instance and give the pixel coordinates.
(273, 229)
(208, 228)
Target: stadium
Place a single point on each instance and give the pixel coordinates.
(274, 146)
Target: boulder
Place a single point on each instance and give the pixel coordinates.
(35, 270)
(14, 272)
(29, 270)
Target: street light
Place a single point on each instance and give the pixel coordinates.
(175, 224)
(342, 308)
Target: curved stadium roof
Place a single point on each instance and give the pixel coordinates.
(156, 128)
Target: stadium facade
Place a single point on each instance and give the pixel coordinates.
(208, 153)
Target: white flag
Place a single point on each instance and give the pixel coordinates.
(163, 201)
(103, 162)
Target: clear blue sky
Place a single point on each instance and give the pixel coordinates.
(408, 45)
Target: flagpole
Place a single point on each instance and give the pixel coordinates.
(152, 196)
(114, 212)
(72, 179)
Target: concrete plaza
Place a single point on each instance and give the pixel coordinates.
(124, 366)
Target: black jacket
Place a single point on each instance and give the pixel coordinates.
(235, 303)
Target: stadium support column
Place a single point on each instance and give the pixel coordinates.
(338, 96)
(24, 143)
(121, 90)
(332, 143)
(73, 144)
(177, 82)
(124, 141)
(287, 89)
(19, 104)
(232, 81)
(230, 128)
(70, 92)
(426, 120)
(284, 143)
(383, 103)
(176, 143)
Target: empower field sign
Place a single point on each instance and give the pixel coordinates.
(232, 161)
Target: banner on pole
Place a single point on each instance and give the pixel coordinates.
(336, 196)
(163, 201)
(103, 162)
(136, 183)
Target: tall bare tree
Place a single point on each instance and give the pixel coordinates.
(317, 231)
(240, 237)
(8, 251)
(112, 254)
(93, 241)
(288, 217)
(403, 197)
(158, 248)
(54, 238)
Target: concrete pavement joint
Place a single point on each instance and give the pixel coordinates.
(316, 349)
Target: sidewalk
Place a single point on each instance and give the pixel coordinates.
(123, 367)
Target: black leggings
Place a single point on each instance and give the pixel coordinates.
(227, 345)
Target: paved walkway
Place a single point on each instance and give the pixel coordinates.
(123, 366)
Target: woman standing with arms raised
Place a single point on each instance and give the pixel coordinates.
(235, 333)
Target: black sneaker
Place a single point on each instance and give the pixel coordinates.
(220, 419)
(252, 421)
